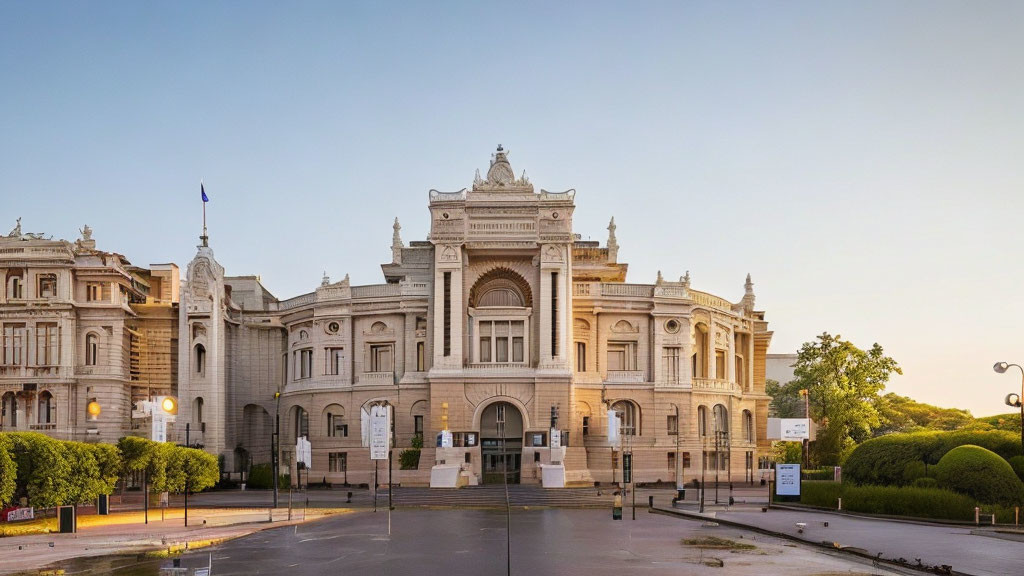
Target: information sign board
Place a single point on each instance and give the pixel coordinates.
(787, 479)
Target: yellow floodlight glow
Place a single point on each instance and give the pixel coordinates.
(93, 409)
(169, 405)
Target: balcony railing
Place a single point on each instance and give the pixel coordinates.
(386, 378)
(715, 385)
(626, 376)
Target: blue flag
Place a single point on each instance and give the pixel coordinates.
(202, 190)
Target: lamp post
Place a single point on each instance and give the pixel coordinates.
(1018, 402)
(807, 414)
(275, 444)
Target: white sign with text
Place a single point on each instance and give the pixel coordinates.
(787, 479)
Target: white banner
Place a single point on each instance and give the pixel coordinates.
(787, 479)
(21, 514)
(556, 438)
(613, 427)
(789, 429)
(380, 432)
(304, 452)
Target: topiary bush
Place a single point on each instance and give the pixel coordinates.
(1017, 463)
(980, 474)
(884, 460)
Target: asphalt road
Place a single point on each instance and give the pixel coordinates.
(547, 541)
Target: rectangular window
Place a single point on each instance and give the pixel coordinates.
(336, 427)
(485, 349)
(621, 356)
(47, 343)
(686, 460)
(673, 425)
(581, 357)
(421, 356)
(381, 358)
(14, 344)
(586, 425)
(670, 357)
(447, 313)
(14, 288)
(417, 425)
(47, 286)
(92, 292)
(337, 462)
(671, 460)
(554, 314)
(720, 365)
(501, 349)
(305, 363)
(517, 348)
(335, 361)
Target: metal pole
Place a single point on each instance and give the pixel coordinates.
(145, 495)
(679, 467)
(275, 446)
(390, 506)
(703, 467)
(500, 425)
(375, 485)
(187, 426)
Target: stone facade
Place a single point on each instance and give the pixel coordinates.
(503, 314)
(79, 325)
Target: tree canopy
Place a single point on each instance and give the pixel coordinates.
(843, 383)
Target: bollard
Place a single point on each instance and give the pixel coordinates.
(1016, 516)
(977, 516)
(993, 518)
(650, 501)
(840, 504)
(349, 501)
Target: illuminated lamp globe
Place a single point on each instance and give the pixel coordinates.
(93, 409)
(169, 405)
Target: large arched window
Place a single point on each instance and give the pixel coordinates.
(699, 360)
(197, 414)
(721, 419)
(629, 414)
(334, 417)
(500, 305)
(702, 420)
(301, 422)
(47, 408)
(748, 426)
(9, 404)
(92, 349)
(200, 359)
(15, 287)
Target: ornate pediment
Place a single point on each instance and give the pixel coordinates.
(500, 176)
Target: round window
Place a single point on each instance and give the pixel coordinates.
(333, 327)
(672, 326)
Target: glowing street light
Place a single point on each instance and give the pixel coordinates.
(1014, 400)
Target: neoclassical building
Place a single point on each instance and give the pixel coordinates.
(81, 326)
(502, 315)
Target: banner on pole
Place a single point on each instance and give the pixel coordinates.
(380, 432)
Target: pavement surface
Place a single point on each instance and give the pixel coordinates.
(21, 553)
(968, 550)
(543, 541)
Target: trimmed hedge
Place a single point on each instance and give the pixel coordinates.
(981, 474)
(884, 460)
(891, 500)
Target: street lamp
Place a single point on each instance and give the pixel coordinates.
(275, 445)
(807, 414)
(1013, 399)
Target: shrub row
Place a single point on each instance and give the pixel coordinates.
(893, 500)
(50, 472)
(892, 459)
(261, 477)
(980, 474)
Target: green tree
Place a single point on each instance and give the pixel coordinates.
(786, 400)
(200, 469)
(843, 382)
(84, 484)
(901, 414)
(8, 472)
(108, 460)
(44, 471)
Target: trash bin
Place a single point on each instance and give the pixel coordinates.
(66, 519)
(103, 505)
(617, 507)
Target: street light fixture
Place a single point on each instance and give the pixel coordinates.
(1014, 400)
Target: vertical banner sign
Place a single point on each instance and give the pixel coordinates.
(304, 452)
(627, 468)
(159, 428)
(556, 438)
(787, 479)
(613, 428)
(380, 432)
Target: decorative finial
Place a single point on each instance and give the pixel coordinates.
(326, 279)
(686, 280)
(86, 232)
(749, 286)
(613, 243)
(396, 243)
(16, 233)
(500, 149)
(660, 280)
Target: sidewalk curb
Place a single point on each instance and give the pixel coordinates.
(793, 538)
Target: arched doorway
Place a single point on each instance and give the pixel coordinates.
(501, 443)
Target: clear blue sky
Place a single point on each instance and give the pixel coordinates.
(861, 160)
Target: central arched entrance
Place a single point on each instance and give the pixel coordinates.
(501, 443)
